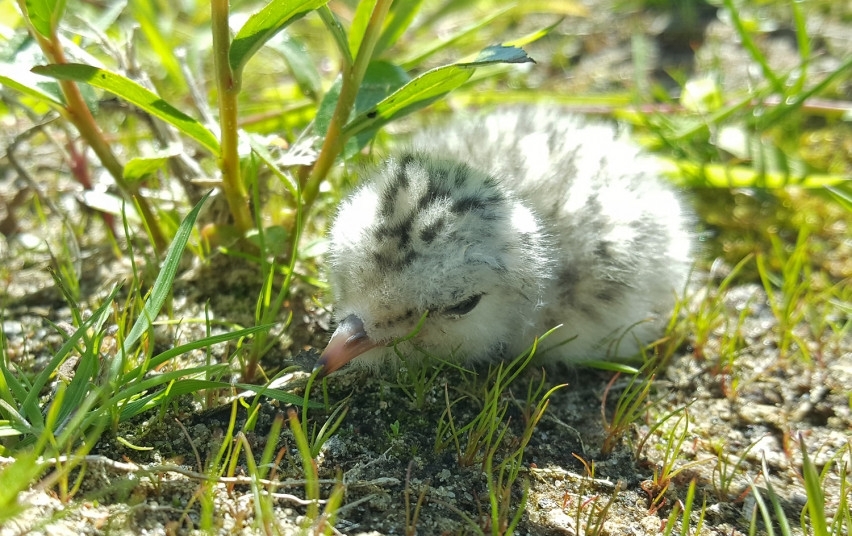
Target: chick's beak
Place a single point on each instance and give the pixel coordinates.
(348, 342)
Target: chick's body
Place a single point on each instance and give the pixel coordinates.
(503, 226)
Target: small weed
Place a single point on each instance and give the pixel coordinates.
(417, 377)
(589, 513)
(709, 314)
(666, 471)
(502, 480)
(317, 438)
(793, 289)
(683, 510)
(483, 434)
(631, 406)
(724, 472)
(480, 440)
(393, 432)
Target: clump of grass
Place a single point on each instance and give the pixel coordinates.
(632, 405)
(793, 286)
(110, 382)
(591, 511)
(725, 472)
(665, 472)
(481, 440)
(684, 511)
(483, 434)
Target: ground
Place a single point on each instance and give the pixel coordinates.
(735, 399)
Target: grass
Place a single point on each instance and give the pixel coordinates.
(590, 512)
(123, 359)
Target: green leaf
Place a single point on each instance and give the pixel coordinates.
(179, 385)
(380, 80)
(400, 17)
(44, 15)
(264, 24)
(31, 84)
(138, 168)
(419, 93)
(29, 407)
(301, 65)
(429, 87)
(359, 25)
(135, 94)
(175, 351)
(502, 54)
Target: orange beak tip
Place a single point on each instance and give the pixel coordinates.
(347, 342)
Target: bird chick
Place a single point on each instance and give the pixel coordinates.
(498, 228)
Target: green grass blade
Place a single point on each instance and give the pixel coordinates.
(84, 378)
(813, 489)
(29, 407)
(750, 46)
(359, 26)
(135, 94)
(774, 500)
(430, 49)
(12, 389)
(185, 386)
(163, 285)
(263, 25)
(161, 358)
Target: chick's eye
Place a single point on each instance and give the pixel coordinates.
(463, 307)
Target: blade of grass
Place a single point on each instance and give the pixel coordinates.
(816, 499)
(159, 291)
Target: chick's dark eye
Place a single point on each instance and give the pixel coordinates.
(463, 307)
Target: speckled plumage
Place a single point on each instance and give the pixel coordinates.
(503, 226)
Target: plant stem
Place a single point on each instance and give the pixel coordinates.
(228, 87)
(77, 112)
(352, 78)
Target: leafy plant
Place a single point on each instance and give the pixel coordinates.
(347, 112)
